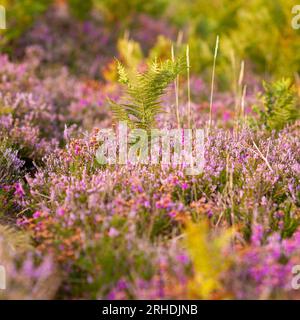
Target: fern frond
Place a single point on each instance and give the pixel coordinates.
(123, 75)
(143, 93)
(279, 105)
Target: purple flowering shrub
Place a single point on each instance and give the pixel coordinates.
(85, 47)
(116, 231)
(36, 107)
(79, 229)
(106, 225)
(25, 117)
(264, 268)
(11, 171)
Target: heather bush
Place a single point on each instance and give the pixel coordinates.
(73, 227)
(11, 171)
(80, 209)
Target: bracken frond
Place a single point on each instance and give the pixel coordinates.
(279, 105)
(143, 93)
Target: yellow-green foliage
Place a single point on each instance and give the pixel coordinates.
(279, 105)
(143, 93)
(207, 255)
(131, 54)
(20, 15)
(258, 31)
(17, 241)
(118, 11)
(80, 9)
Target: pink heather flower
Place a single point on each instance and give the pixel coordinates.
(164, 203)
(19, 190)
(113, 232)
(37, 214)
(257, 235)
(6, 188)
(77, 150)
(210, 213)
(60, 212)
(184, 186)
(122, 284)
(172, 214)
(183, 258)
(22, 221)
(226, 116)
(174, 180)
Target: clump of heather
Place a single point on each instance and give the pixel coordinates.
(83, 47)
(10, 165)
(146, 30)
(170, 281)
(264, 268)
(27, 123)
(24, 115)
(141, 231)
(11, 171)
(37, 106)
(79, 208)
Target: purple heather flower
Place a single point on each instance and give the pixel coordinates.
(184, 186)
(113, 232)
(37, 214)
(60, 212)
(257, 235)
(19, 191)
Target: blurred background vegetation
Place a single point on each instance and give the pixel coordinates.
(258, 32)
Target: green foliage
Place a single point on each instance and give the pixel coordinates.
(143, 93)
(124, 11)
(20, 16)
(130, 53)
(80, 9)
(274, 50)
(107, 261)
(279, 105)
(132, 56)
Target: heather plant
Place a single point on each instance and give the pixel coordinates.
(271, 280)
(51, 30)
(72, 228)
(11, 171)
(87, 210)
(50, 33)
(26, 125)
(11, 167)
